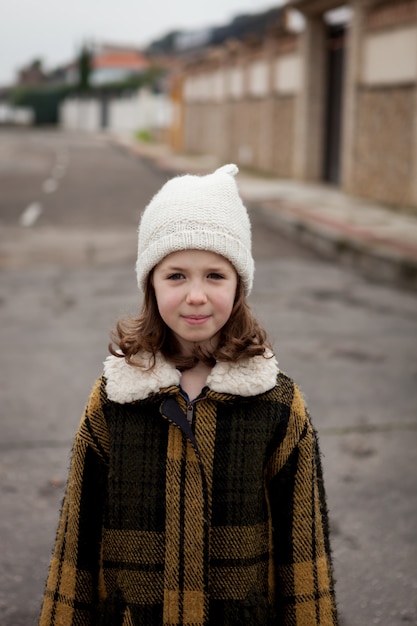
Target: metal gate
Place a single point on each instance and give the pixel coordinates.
(336, 40)
(104, 111)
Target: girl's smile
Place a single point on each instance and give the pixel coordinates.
(196, 319)
(195, 291)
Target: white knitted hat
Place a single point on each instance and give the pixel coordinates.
(197, 212)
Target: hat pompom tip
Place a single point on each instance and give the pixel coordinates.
(230, 169)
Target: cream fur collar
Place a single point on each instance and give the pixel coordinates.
(125, 383)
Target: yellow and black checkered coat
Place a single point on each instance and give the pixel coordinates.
(220, 523)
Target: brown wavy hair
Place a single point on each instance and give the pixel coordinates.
(241, 337)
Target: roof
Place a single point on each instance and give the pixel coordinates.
(314, 7)
(120, 59)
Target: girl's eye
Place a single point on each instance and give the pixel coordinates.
(215, 276)
(176, 276)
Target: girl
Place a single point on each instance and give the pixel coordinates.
(195, 493)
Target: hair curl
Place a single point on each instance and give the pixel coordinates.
(240, 338)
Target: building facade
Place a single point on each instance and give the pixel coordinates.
(330, 98)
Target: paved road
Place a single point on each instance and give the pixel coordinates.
(68, 274)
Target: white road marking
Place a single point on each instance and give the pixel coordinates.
(49, 185)
(61, 165)
(30, 214)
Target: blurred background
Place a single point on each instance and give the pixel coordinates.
(276, 89)
(316, 101)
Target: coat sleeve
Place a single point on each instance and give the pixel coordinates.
(73, 584)
(302, 568)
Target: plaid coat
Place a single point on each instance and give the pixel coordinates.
(220, 523)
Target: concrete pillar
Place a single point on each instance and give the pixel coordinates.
(310, 106)
(352, 80)
(177, 127)
(413, 182)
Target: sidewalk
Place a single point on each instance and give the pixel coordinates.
(377, 241)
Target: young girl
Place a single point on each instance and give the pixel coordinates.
(195, 494)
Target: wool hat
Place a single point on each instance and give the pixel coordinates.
(197, 212)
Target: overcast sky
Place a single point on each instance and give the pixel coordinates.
(54, 31)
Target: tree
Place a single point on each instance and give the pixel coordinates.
(84, 69)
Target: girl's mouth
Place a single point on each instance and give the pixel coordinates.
(195, 320)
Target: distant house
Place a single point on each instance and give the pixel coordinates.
(139, 107)
(66, 74)
(32, 74)
(109, 64)
(112, 64)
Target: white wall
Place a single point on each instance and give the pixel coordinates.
(390, 57)
(20, 116)
(259, 78)
(230, 82)
(287, 74)
(80, 114)
(236, 82)
(141, 111)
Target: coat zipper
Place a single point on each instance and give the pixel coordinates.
(191, 405)
(190, 413)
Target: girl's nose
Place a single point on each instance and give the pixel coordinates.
(196, 294)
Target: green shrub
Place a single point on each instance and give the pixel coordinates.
(43, 100)
(143, 135)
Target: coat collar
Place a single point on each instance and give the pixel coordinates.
(125, 383)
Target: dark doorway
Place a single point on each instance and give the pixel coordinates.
(336, 40)
(104, 111)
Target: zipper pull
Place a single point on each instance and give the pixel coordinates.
(190, 413)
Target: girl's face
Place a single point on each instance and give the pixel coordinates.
(195, 292)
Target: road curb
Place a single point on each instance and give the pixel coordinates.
(374, 261)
